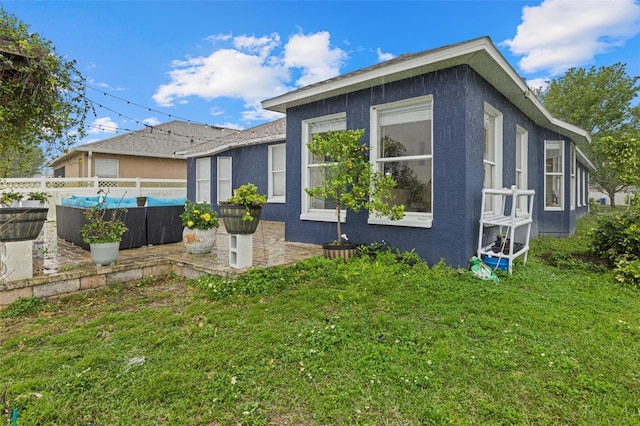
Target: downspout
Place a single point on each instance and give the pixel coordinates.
(89, 161)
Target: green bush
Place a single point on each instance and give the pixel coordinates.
(617, 235)
(628, 271)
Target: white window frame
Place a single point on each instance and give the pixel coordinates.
(493, 122)
(585, 188)
(203, 178)
(271, 198)
(411, 219)
(572, 166)
(547, 145)
(108, 163)
(224, 184)
(522, 172)
(333, 122)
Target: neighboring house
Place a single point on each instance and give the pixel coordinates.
(446, 123)
(255, 155)
(146, 153)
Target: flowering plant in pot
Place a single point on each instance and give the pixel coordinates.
(241, 212)
(200, 222)
(10, 197)
(349, 179)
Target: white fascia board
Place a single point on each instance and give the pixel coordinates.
(132, 153)
(378, 75)
(584, 160)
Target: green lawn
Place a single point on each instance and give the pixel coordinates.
(367, 342)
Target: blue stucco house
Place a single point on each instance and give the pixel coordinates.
(446, 123)
(255, 155)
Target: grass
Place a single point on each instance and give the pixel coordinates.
(368, 342)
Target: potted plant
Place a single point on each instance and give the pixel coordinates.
(200, 222)
(350, 182)
(103, 232)
(241, 212)
(10, 199)
(36, 199)
(19, 223)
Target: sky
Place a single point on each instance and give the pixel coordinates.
(213, 62)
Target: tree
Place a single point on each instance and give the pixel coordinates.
(42, 96)
(599, 101)
(348, 177)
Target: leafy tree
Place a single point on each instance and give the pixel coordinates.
(599, 101)
(42, 98)
(348, 177)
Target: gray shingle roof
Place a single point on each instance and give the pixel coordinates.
(160, 141)
(263, 133)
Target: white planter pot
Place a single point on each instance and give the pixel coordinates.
(199, 241)
(103, 254)
(32, 203)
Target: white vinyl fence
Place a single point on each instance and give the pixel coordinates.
(59, 188)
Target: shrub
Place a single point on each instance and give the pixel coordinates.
(22, 307)
(617, 235)
(628, 271)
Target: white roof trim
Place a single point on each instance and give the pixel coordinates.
(480, 54)
(231, 145)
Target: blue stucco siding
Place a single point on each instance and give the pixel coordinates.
(249, 164)
(459, 95)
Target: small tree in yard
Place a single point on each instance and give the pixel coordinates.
(349, 178)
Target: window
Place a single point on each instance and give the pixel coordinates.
(522, 142)
(579, 188)
(203, 180)
(585, 188)
(553, 175)
(277, 173)
(572, 165)
(59, 173)
(492, 159)
(402, 146)
(314, 209)
(224, 179)
(106, 167)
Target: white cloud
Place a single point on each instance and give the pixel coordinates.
(151, 121)
(384, 56)
(103, 125)
(541, 83)
(252, 69)
(313, 55)
(560, 34)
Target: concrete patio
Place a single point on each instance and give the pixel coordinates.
(60, 267)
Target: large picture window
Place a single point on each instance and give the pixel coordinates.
(553, 175)
(203, 180)
(277, 173)
(312, 208)
(402, 146)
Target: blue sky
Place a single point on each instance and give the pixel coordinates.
(212, 62)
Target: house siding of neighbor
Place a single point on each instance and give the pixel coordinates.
(147, 153)
(466, 93)
(255, 155)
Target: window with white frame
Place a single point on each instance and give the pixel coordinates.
(553, 175)
(572, 166)
(203, 180)
(106, 167)
(585, 188)
(312, 208)
(492, 159)
(402, 146)
(579, 187)
(522, 142)
(223, 179)
(277, 173)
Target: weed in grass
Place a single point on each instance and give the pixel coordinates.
(22, 307)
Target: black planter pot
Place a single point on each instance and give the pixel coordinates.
(339, 250)
(231, 215)
(21, 223)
